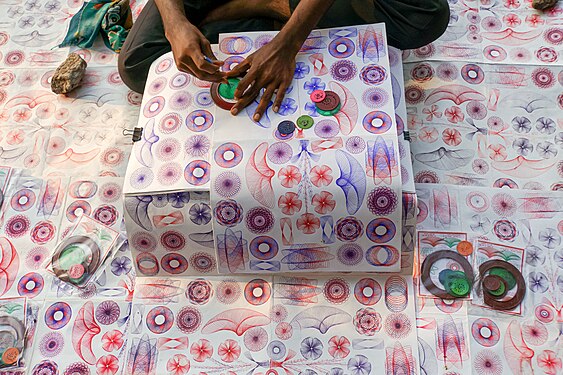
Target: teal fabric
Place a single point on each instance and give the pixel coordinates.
(95, 17)
(115, 33)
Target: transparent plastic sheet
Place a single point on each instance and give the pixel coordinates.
(516, 226)
(83, 253)
(18, 317)
(451, 253)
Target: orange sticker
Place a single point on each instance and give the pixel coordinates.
(76, 271)
(465, 248)
(10, 356)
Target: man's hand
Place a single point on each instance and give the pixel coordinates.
(192, 52)
(270, 68)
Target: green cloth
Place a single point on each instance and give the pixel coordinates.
(110, 18)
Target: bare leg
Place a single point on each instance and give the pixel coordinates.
(238, 9)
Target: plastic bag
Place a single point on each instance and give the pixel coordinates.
(81, 255)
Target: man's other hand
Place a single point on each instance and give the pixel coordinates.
(270, 68)
(192, 52)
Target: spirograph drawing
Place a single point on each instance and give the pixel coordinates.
(352, 181)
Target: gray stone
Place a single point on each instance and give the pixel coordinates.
(68, 75)
(544, 4)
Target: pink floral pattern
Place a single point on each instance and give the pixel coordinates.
(289, 203)
(107, 365)
(179, 364)
(289, 176)
(323, 202)
(321, 175)
(549, 362)
(112, 340)
(454, 114)
(339, 346)
(497, 152)
(201, 350)
(451, 137)
(229, 350)
(308, 223)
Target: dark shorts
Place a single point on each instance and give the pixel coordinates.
(409, 24)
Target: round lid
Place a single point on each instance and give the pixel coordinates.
(505, 274)
(330, 102)
(446, 275)
(10, 355)
(458, 287)
(76, 271)
(227, 90)
(305, 122)
(329, 113)
(286, 127)
(73, 254)
(317, 96)
(494, 285)
(465, 248)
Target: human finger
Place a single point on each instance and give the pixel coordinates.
(280, 94)
(245, 84)
(240, 69)
(264, 102)
(246, 99)
(203, 64)
(190, 68)
(208, 52)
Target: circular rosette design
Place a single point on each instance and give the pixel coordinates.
(58, 315)
(367, 321)
(382, 201)
(43, 232)
(259, 220)
(160, 319)
(349, 229)
(367, 291)
(202, 262)
(172, 240)
(485, 332)
(264, 247)
(199, 291)
(45, 367)
(107, 312)
(17, 226)
(188, 319)
(228, 292)
(336, 290)
(106, 215)
(373, 74)
(228, 213)
(505, 230)
(381, 230)
(311, 348)
(397, 326)
(257, 292)
(350, 254)
(343, 70)
(256, 339)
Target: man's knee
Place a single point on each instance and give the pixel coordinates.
(144, 44)
(130, 74)
(436, 16)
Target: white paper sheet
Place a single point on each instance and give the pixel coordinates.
(320, 178)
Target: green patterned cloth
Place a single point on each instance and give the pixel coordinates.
(111, 18)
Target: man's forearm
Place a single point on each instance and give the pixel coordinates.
(304, 19)
(172, 13)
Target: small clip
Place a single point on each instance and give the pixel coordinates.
(136, 133)
(407, 135)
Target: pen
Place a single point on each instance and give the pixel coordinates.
(208, 59)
